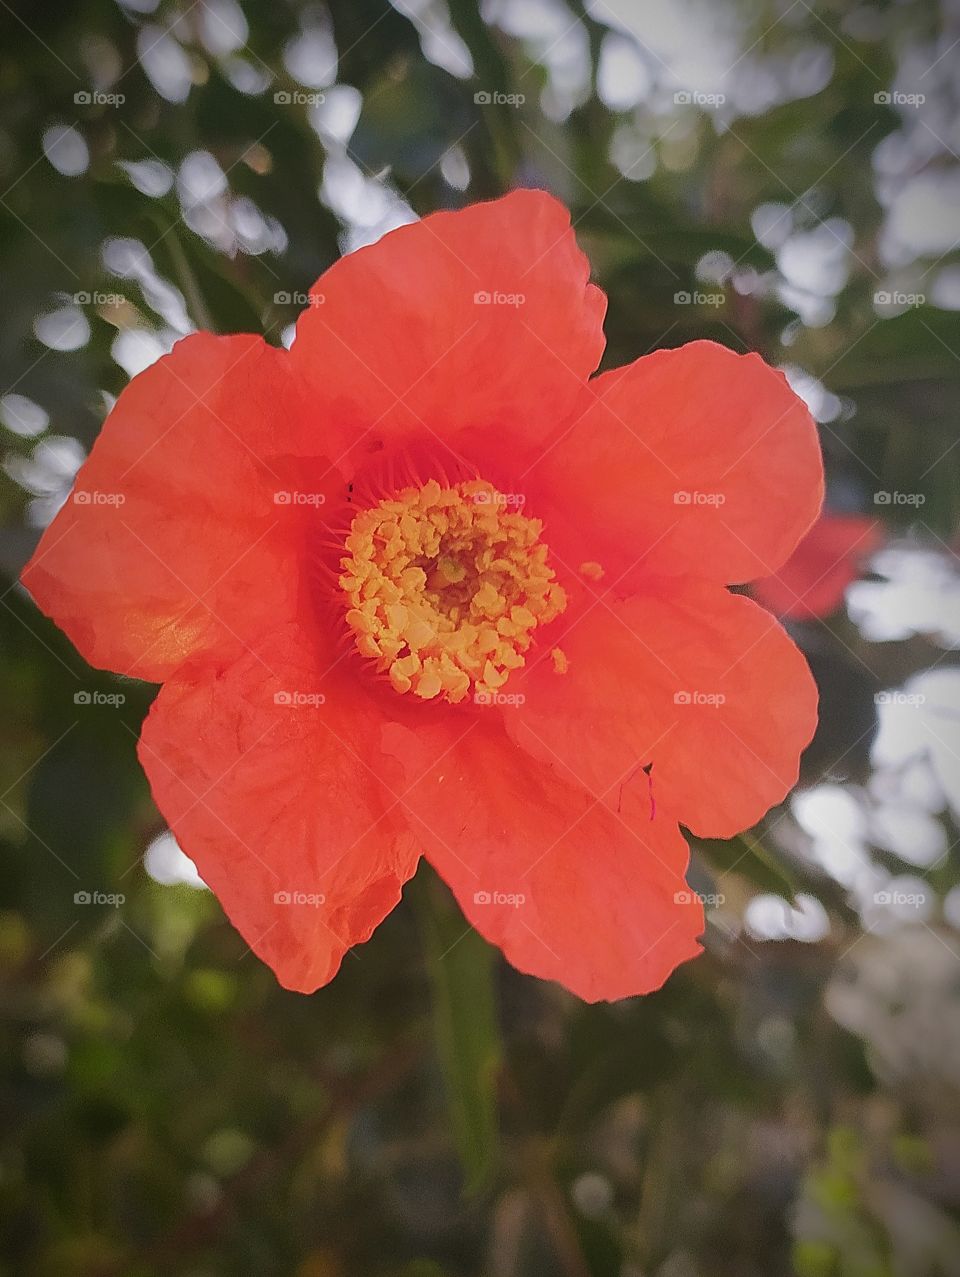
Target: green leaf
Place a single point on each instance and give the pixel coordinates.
(747, 856)
(919, 344)
(461, 966)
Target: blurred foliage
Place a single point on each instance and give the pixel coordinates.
(167, 1107)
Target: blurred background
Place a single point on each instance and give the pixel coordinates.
(779, 176)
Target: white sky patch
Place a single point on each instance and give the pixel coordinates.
(911, 833)
(439, 41)
(454, 168)
(823, 404)
(919, 594)
(923, 217)
(47, 474)
(22, 416)
(557, 40)
(945, 290)
(335, 118)
(246, 76)
(835, 819)
(129, 259)
(924, 720)
(65, 148)
(818, 260)
(167, 864)
(692, 41)
(951, 907)
(368, 207)
(150, 177)
(771, 917)
(623, 77)
(633, 152)
(135, 349)
(223, 27)
(200, 179)
(64, 329)
(311, 57)
(165, 63)
(772, 224)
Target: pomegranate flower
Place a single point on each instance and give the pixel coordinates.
(421, 586)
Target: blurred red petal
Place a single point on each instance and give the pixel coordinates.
(812, 582)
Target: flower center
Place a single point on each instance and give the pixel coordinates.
(445, 587)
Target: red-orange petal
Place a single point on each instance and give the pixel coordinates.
(567, 889)
(814, 579)
(274, 796)
(702, 685)
(455, 327)
(694, 460)
(171, 543)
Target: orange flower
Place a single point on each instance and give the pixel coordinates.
(419, 586)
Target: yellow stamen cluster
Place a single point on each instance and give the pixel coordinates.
(445, 586)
